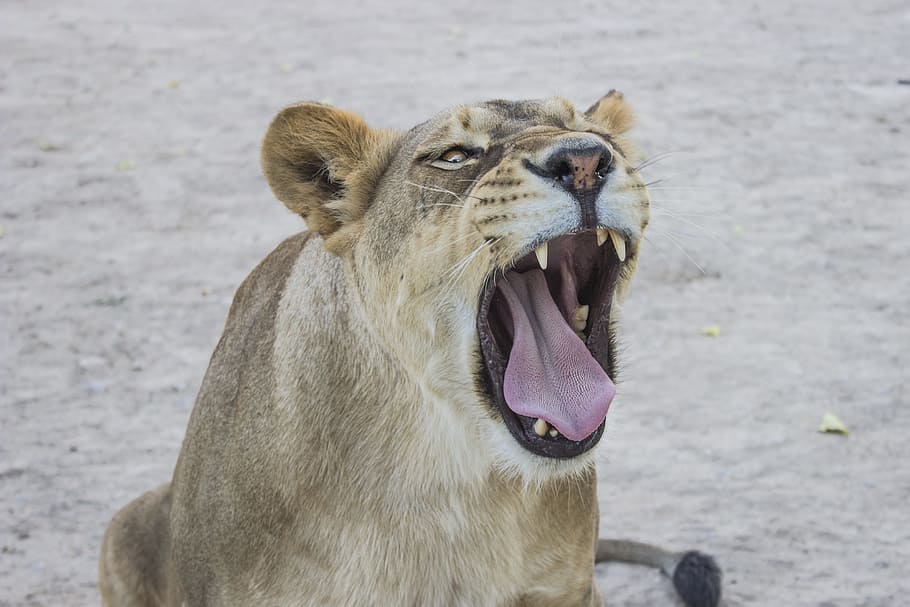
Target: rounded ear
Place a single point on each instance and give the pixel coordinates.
(323, 164)
(612, 112)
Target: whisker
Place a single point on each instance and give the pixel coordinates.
(444, 204)
(695, 235)
(650, 242)
(655, 159)
(466, 260)
(702, 229)
(696, 188)
(459, 269)
(451, 242)
(658, 208)
(441, 191)
(684, 252)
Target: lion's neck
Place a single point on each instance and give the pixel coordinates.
(352, 403)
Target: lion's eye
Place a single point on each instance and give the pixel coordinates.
(455, 156)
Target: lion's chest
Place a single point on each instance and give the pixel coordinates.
(459, 554)
(448, 557)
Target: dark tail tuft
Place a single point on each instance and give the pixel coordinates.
(697, 580)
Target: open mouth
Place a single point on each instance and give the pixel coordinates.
(547, 342)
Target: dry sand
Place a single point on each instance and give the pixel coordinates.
(132, 206)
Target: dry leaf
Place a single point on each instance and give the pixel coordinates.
(831, 424)
(711, 331)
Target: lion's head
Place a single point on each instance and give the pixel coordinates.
(487, 249)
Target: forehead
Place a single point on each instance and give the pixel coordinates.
(508, 116)
(499, 119)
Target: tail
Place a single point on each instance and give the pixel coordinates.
(696, 576)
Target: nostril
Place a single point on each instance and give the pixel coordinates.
(564, 171)
(604, 166)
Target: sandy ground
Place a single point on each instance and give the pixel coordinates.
(132, 206)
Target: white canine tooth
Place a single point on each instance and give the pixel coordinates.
(619, 243)
(554, 432)
(602, 234)
(580, 318)
(541, 427)
(542, 252)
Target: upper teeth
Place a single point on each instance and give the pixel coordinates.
(541, 253)
(619, 243)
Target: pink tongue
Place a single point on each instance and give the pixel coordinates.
(551, 374)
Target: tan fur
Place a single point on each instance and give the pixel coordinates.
(341, 451)
(323, 163)
(613, 112)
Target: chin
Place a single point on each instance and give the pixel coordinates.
(514, 461)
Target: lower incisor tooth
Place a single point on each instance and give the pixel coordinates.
(580, 318)
(581, 312)
(541, 427)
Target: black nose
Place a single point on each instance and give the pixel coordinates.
(579, 167)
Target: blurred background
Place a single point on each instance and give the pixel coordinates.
(773, 288)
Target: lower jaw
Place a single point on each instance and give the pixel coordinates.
(559, 447)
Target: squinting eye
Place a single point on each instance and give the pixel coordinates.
(455, 156)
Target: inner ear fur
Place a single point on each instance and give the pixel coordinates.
(612, 112)
(324, 164)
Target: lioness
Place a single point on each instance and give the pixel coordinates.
(403, 404)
